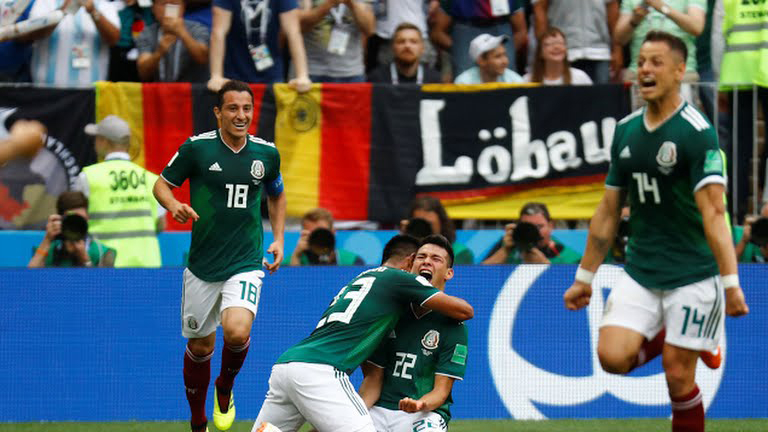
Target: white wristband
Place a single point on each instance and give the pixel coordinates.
(730, 281)
(585, 276)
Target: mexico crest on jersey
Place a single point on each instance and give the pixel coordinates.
(431, 339)
(667, 157)
(257, 169)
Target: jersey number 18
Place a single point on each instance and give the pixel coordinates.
(237, 195)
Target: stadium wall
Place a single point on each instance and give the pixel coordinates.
(105, 345)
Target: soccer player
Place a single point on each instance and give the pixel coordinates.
(680, 261)
(410, 376)
(227, 171)
(310, 382)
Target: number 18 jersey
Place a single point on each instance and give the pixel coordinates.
(661, 169)
(359, 317)
(225, 191)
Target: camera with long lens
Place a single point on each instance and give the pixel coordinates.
(73, 227)
(322, 244)
(418, 227)
(526, 236)
(760, 232)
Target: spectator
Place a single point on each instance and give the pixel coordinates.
(67, 242)
(705, 59)
(24, 140)
(334, 33)
(744, 65)
(682, 18)
(468, 19)
(317, 243)
(389, 15)
(172, 49)
(431, 210)
(199, 11)
(752, 248)
(551, 65)
(124, 214)
(245, 45)
(491, 62)
(14, 55)
(134, 18)
(407, 66)
(545, 250)
(591, 47)
(74, 52)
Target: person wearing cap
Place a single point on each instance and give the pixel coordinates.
(491, 61)
(123, 213)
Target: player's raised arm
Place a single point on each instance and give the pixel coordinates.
(602, 231)
(450, 306)
(709, 199)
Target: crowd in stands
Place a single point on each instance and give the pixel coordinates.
(552, 42)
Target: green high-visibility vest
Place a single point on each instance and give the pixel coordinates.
(745, 60)
(123, 212)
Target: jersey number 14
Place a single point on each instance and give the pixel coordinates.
(646, 185)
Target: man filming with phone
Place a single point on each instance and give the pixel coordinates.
(530, 241)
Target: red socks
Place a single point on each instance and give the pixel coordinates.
(197, 376)
(688, 412)
(232, 358)
(651, 349)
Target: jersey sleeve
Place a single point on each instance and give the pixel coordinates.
(286, 5)
(616, 178)
(181, 165)
(274, 179)
(705, 162)
(414, 289)
(452, 360)
(224, 4)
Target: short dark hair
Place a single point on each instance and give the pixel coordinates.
(405, 25)
(232, 85)
(71, 200)
(442, 242)
(533, 208)
(673, 42)
(430, 203)
(399, 247)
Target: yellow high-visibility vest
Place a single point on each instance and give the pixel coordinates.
(745, 60)
(123, 212)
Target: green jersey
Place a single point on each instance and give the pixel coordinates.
(360, 315)
(225, 191)
(420, 347)
(661, 169)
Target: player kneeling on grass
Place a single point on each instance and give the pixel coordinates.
(681, 271)
(408, 380)
(310, 380)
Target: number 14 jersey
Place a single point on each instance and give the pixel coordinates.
(359, 317)
(661, 169)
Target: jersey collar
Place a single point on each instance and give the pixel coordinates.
(416, 312)
(221, 137)
(674, 113)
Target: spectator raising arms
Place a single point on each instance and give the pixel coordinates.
(551, 66)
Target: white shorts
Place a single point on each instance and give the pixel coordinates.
(202, 302)
(692, 314)
(387, 420)
(317, 393)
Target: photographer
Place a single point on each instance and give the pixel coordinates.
(753, 245)
(317, 242)
(530, 241)
(67, 242)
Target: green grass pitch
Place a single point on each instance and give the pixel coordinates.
(603, 425)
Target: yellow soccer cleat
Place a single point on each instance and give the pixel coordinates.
(223, 421)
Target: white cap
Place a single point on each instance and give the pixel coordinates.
(484, 43)
(112, 128)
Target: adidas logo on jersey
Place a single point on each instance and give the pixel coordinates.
(215, 167)
(625, 153)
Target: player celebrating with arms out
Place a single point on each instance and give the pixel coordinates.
(227, 170)
(310, 380)
(680, 259)
(410, 376)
